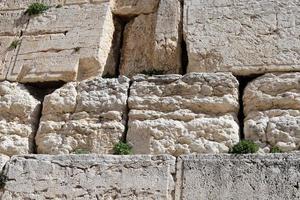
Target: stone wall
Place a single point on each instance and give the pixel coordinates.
(152, 177)
(174, 79)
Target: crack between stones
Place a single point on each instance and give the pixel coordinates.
(126, 114)
(184, 53)
(243, 82)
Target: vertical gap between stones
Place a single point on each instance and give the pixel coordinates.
(184, 53)
(122, 24)
(39, 91)
(243, 82)
(126, 114)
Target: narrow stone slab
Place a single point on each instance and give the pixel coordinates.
(174, 114)
(19, 118)
(88, 116)
(243, 37)
(246, 177)
(159, 43)
(89, 177)
(66, 44)
(272, 110)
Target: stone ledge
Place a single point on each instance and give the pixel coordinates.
(264, 177)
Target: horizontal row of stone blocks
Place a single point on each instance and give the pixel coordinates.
(165, 114)
(80, 177)
(82, 39)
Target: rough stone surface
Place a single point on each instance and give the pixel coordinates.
(243, 37)
(89, 177)
(73, 42)
(272, 109)
(133, 7)
(159, 41)
(19, 117)
(247, 177)
(175, 114)
(88, 115)
(23, 4)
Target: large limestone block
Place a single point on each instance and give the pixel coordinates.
(66, 44)
(89, 177)
(88, 115)
(174, 114)
(243, 37)
(12, 22)
(272, 108)
(134, 7)
(247, 177)
(19, 118)
(153, 41)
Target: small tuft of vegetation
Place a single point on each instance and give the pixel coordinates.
(122, 148)
(275, 150)
(153, 72)
(244, 147)
(3, 180)
(36, 8)
(14, 45)
(81, 151)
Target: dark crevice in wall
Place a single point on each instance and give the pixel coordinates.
(126, 114)
(184, 53)
(243, 82)
(39, 91)
(184, 57)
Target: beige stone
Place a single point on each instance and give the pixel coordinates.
(68, 43)
(23, 4)
(19, 118)
(243, 37)
(88, 115)
(7, 54)
(90, 177)
(12, 22)
(272, 108)
(153, 41)
(171, 114)
(134, 7)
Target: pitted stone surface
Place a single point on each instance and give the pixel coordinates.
(89, 177)
(133, 7)
(159, 41)
(247, 177)
(272, 108)
(88, 115)
(243, 37)
(19, 117)
(174, 114)
(23, 4)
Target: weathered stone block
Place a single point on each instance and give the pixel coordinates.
(88, 115)
(66, 44)
(174, 114)
(7, 54)
(243, 37)
(247, 177)
(19, 118)
(272, 109)
(23, 4)
(133, 7)
(89, 177)
(159, 41)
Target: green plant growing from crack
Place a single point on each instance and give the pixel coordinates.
(122, 148)
(14, 44)
(275, 150)
(36, 8)
(244, 147)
